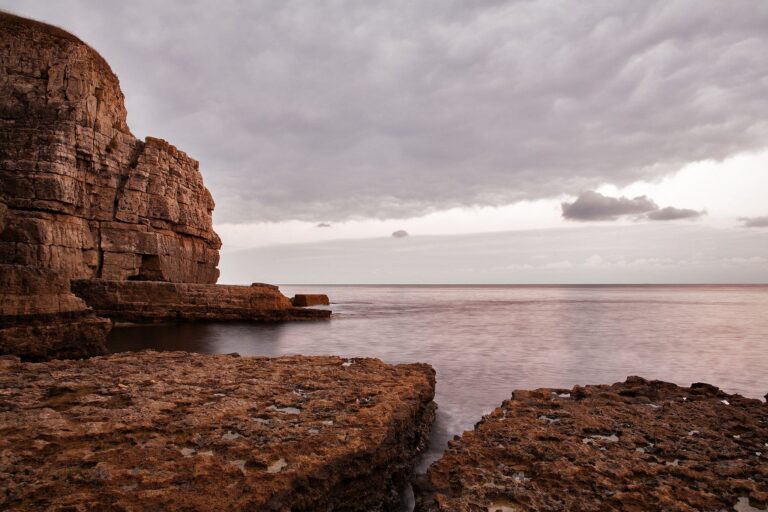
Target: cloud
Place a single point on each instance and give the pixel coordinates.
(323, 225)
(590, 206)
(594, 206)
(754, 222)
(396, 108)
(400, 233)
(672, 213)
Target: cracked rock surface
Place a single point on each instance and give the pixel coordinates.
(180, 431)
(635, 446)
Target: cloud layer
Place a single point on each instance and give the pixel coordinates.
(332, 111)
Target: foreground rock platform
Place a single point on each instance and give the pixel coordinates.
(180, 431)
(635, 446)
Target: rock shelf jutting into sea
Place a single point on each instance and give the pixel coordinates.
(99, 228)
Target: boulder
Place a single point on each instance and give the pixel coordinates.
(304, 300)
(636, 445)
(178, 431)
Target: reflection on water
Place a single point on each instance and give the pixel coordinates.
(486, 341)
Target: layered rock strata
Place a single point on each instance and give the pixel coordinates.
(177, 431)
(85, 198)
(142, 302)
(638, 445)
(40, 318)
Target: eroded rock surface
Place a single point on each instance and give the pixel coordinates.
(633, 446)
(178, 431)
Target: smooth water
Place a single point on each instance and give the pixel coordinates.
(486, 341)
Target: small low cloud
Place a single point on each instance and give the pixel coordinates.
(754, 222)
(400, 233)
(594, 206)
(672, 213)
(323, 225)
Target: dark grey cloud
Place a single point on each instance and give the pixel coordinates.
(323, 225)
(592, 205)
(400, 233)
(754, 222)
(672, 213)
(346, 109)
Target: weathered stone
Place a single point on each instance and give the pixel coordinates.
(178, 431)
(638, 445)
(85, 197)
(304, 300)
(148, 301)
(40, 318)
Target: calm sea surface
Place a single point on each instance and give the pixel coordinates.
(486, 341)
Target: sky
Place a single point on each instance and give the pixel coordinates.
(327, 127)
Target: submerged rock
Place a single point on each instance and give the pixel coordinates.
(638, 445)
(179, 431)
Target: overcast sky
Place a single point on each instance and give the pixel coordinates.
(320, 121)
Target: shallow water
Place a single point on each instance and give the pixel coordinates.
(486, 341)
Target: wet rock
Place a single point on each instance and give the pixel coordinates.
(179, 431)
(302, 300)
(638, 445)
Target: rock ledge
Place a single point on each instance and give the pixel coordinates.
(638, 445)
(179, 431)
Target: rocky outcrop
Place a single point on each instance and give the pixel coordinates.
(81, 198)
(177, 431)
(303, 300)
(140, 302)
(85, 198)
(40, 318)
(637, 445)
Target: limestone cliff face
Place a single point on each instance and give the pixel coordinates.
(84, 197)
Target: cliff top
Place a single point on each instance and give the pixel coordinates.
(12, 23)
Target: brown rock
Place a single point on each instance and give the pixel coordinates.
(85, 197)
(40, 318)
(178, 431)
(305, 300)
(636, 445)
(148, 301)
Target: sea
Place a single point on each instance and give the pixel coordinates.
(486, 341)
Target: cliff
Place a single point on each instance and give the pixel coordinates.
(82, 199)
(85, 198)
